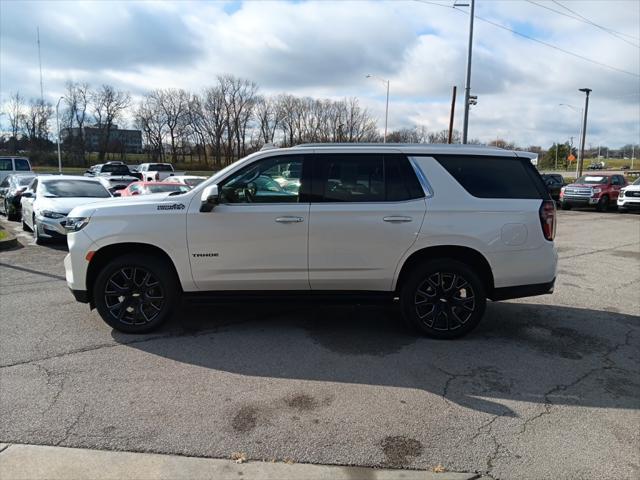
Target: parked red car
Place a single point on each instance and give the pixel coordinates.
(598, 189)
(144, 188)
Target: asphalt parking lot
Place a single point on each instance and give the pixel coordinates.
(546, 387)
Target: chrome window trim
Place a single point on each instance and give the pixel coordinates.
(426, 186)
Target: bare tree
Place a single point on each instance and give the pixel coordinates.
(108, 105)
(268, 116)
(74, 118)
(214, 120)
(150, 120)
(16, 112)
(36, 122)
(174, 104)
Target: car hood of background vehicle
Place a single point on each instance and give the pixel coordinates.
(586, 185)
(65, 204)
(120, 202)
(634, 188)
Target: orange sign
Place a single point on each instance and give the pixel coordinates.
(571, 158)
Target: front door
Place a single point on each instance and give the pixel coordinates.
(256, 238)
(369, 211)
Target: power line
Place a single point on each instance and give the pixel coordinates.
(584, 19)
(546, 44)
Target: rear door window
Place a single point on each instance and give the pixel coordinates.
(22, 165)
(5, 165)
(495, 177)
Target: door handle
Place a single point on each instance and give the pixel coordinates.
(289, 219)
(397, 219)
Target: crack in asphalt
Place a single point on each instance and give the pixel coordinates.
(609, 365)
(2, 449)
(599, 250)
(70, 428)
(60, 386)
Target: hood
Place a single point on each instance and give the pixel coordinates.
(64, 205)
(586, 185)
(133, 201)
(631, 187)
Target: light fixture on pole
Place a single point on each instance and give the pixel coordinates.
(386, 111)
(587, 91)
(58, 128)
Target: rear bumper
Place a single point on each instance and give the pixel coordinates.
(520, 291)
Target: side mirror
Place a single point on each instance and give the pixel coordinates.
(209, 198)
(27, 194)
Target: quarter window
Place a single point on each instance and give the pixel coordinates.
(271, 180)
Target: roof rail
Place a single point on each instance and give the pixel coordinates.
(390, 145)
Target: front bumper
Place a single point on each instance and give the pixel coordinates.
(75, 263)
(51, 227)
(583, 201)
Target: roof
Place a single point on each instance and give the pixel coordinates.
(412, 148)
(53, 176)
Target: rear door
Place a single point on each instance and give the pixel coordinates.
(367, 210)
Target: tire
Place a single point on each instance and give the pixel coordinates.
(565, 206)
(455, 311)
(622, 210)
(10, 216)
(603, 204)
(130, 301)
(25, 227)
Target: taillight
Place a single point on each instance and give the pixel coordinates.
(548, 219)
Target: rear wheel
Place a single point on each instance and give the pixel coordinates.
(603, 204)
(443, 299)
(135, 293)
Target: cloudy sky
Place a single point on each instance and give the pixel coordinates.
(325, 49)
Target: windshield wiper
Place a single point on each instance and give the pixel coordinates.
(176, 193)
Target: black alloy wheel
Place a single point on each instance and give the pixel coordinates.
(136, 293)
(443, 299)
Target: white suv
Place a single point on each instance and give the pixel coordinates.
(438, 228)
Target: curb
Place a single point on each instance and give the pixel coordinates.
(38, 462)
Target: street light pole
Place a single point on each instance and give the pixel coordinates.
(386, 110)
(587, 91)
(467, 84)
(58, 128)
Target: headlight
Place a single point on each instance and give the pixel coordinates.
(49, 214)
(75, 224)
(596, 190)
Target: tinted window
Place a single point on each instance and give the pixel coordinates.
(22, 165)
(73, 188)
(160, 167)
(367, 178)
(5, 165)
(272, 180)
(192, 182)
(495, 177)
(116, 169)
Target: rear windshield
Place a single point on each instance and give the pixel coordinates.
(593, 179)
(169, 187)
(495, 177)
(192, 182)
(117, 169)
(160, 167)
(73, 188)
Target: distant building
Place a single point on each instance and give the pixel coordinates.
(120, 140)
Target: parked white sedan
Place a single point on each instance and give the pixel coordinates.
(49, 198)
(189, 180)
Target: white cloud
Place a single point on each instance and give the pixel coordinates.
(325, 49)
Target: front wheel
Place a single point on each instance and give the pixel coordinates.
(135, 293)
(443, 299)
(603, 204)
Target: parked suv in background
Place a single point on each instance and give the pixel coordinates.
(599, 190)
(629, 198)
(11, 165)
(554, 183)
(441, 228)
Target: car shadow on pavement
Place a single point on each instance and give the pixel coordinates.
(523, 352)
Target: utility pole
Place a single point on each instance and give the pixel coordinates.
(587, 91)
(453, 108)
(557, 145)
(570, 151)
(40, 63)
(467, 85)
(386, 110)
(633, 154)
(58, 127)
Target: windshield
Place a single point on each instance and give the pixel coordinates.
(24, 181)
(591, 179)
(192, 182)
(73, 188)
(637, 182)
(169, 187)
(160, 167)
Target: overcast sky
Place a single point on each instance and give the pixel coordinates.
(325, 49)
